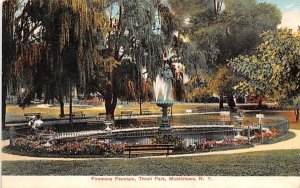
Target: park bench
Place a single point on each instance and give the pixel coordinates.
(78, 114)
(63, 116)
(74, 115)
(101, 116)
(126, 113)
(147, 121)
(31, 115)
(146, 111)
(225, 108)
(148, 148)
(201, 109)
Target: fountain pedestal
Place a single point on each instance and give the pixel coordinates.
(165, 125)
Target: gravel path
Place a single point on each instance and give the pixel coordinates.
(293, 143)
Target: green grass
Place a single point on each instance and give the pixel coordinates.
(15, 113)
(268, 163)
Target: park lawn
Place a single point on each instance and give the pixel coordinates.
(17, 113)
(267, 163)
(295, 126)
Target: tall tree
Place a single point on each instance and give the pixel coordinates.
(71, 44)
(139, 31)
(21, 51)
(274, 70)
(72, 32)
(224, 31)
(8, 49)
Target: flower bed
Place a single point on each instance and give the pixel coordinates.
(85, 147)
(228, 142)
(266, 136)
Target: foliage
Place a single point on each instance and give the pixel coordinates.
(170, 139)
(198, 87)
(102, 46)
(219, 84)
(62, 44)
(139, 32)
(85, 147)
(222, 30)
(56, 44)
(266, 136)
(227, 143)
(8, 51)
(275, 68)
(232, 30)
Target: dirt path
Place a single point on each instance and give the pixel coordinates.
(293, 143)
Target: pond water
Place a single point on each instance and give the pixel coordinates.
(188, 138)
(214, 126)
(200, 120)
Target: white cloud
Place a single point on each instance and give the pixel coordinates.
(291, 19)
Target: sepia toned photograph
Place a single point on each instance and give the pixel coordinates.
(150, 93)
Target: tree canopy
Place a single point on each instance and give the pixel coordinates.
(62, 44)
(274, 69)
(108, 46)
(228, 29)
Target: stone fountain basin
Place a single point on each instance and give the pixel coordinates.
(164, 103)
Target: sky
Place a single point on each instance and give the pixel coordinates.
(290, 12)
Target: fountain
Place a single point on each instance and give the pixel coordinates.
(164, 96)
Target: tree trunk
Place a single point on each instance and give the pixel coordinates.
(61, 104)
(113, 106)
(259, 103)
(221, 103)
(110, 106)
(8, 49)
(140, 103)
(62, 111)
(296, 110)
(141, 95)
(230, 102)
(70, 104)
(4, 95)
(111, 100)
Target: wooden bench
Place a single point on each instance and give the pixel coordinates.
(78, 114)
(225, 108)
(74, 115)
(31, 115)
(201, 109)
(127, 113)
(147, 121)
(63, 116)
(148, 148)
(95, 122)
(146, 111)
(101, 116)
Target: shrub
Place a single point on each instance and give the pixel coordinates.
(228, 141)
(179, 143)
(85, 147)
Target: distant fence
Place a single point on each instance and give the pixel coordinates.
(190, 133)
(282, 125)
(143, 136)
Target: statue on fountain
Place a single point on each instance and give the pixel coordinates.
(164, 96)
(167, 76)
